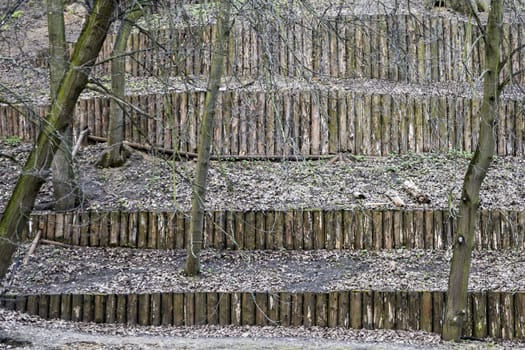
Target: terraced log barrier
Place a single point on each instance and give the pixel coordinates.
(307, 121)
(417, 48)
(276, 230)
(489, 314)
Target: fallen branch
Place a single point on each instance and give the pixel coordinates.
(415, 192)
(59, 244)
(32, 247)
(83, 133)
(8, 156)
(394, 197)
(190, 155)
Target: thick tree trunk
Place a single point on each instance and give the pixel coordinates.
(464, 237)
(65, 184)
(116, 154)
(37, 165)
(204, 149)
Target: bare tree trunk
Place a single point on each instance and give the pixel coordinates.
(36, 168)
(65, 186)
(116, 154)
(477, 169)
(204, 149)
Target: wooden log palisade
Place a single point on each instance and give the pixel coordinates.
(368, 229)
(489, 314)
(403, 47)
(295, 122)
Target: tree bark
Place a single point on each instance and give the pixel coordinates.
(36, 168)
(204, 149)
(116, 153)
(65, 185)
(477, 169)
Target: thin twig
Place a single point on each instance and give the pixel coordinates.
(32, 247)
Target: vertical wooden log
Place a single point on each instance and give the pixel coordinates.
(413, 310)
(308, 236)
(230, 230)
(212, 308)
(219, 238)
(388, 237)
(180, 230)
(389, 308)
(65, 307)
(132, 309)
(402, 311)
(507, 315)
(100, 308)
(438, 302)
(377, 229)
(248, 309)
(273, 308)
(285, 308)
(132, 230)
(54, 306)
(378, 321)
(309, 308)
(224, 309)
(297, 309)
(298, 232)
(155, 309)
(321, 309)
(356, 310)
(349, 229)
(179, 309)
(110, 312)
(88, 310)
(519, 315)
(261, 309)
(166, 300)
(189, 309)
(494, 315)
(343, 313)
(201, 309)
(368, 309)
(438, 229)
(425, 307)
(162, 231)
(114, 233)
(249, 230)
(318, 230)
(142, 233)
(408, 227)
(260, 231)
(121, 312)
(329, 236)
(236, 309)
(419, 229)
(239, 230)
(77, 305)
(479, 314)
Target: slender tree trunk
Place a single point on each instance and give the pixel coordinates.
(65, 186)
(204, 149)
(477, 169)
(36, 168)
(116, 154)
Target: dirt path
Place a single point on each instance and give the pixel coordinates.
(30, 332)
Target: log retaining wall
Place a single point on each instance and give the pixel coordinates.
(293, 229)
(489, 314)
(295, 122)
(401, 47)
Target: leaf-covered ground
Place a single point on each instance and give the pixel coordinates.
(149, 182)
